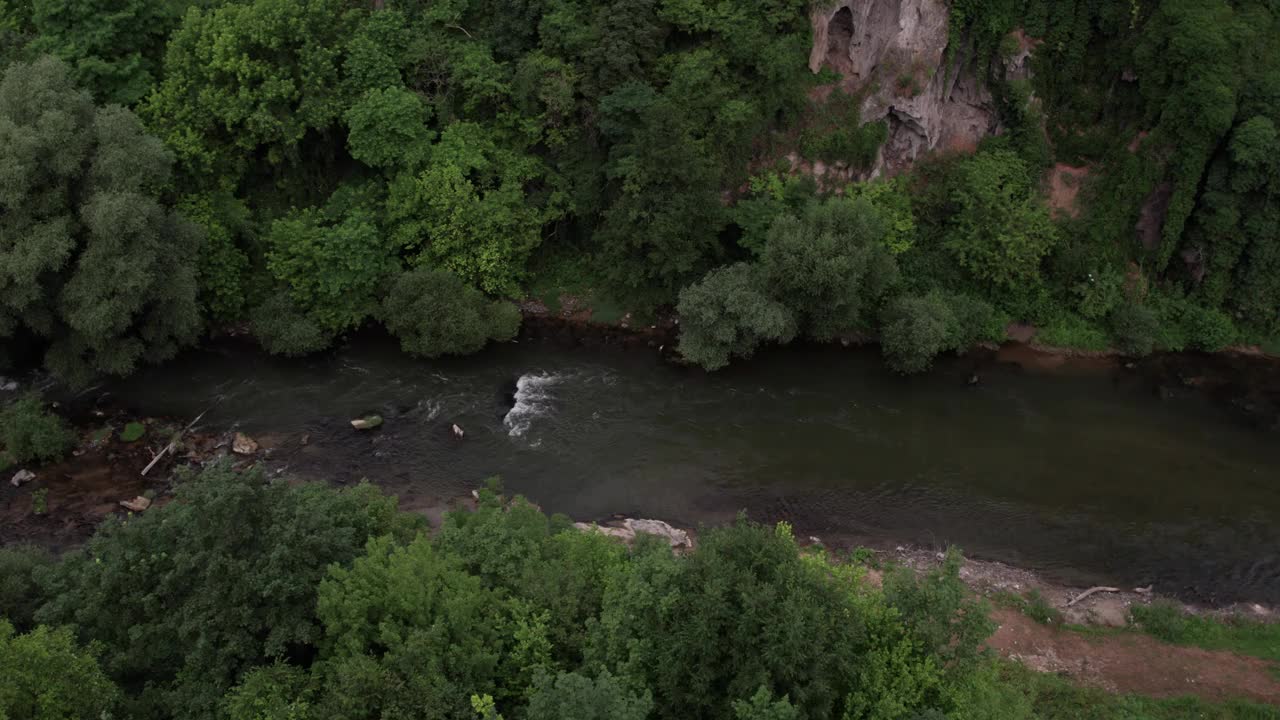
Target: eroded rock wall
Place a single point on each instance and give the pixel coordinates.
(895, 52)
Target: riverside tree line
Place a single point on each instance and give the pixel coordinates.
(316, 167)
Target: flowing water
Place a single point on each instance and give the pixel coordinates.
(1086, 477)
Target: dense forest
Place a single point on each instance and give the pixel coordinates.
(246, 599)
(311, 168)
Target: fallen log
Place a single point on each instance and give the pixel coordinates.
(172, 443)
(1090, 591)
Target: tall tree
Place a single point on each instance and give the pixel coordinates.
(91, 262)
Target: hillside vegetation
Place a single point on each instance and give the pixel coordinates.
(315, 167)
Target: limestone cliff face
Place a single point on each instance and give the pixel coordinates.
(895, 52)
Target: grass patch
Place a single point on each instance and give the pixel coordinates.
(1167, 622)
(1031, 603)
(1055, 698)
(1072, 331)
(133, 431)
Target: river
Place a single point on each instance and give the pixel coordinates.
(1085, 476)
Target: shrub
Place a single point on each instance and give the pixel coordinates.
(915, 329)
(1134, 329)
(729, 313)
(435, 313)
(20, 594)
(47, 676)
(188, 596)
(32, 433)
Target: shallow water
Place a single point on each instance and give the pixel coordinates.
(1087, 477)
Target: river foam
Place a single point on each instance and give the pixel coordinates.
(532, 400)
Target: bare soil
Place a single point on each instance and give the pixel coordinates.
(1132, 662)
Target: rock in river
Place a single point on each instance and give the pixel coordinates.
(242, 444)
(367, 422)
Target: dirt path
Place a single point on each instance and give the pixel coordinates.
(1133, 663)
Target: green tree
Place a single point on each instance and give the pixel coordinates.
(248, 78)
(30, 432)
(90, 260)
(762, 706)
(408, 633)
(190, 595)
(730, 313)
(469, 211)
(47, 676)
(914, 330)
(573, 696)
(20, 594)
(434, 313)
(1134, 329)
(332, 267)
(272, 692)
(1000, 229)
(114, 47)
(832, 267)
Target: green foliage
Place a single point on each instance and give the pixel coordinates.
(20, 595)
(1134, 328)
(1069, 330)
(434, 313)
(132, 432)
(1167, 621)
(1001, 229)
(409, 633)
(40, 501)
(189, 596)
(331, 268)
(30, 432)
(47, 676)
(90, 260)
(731, 313)
(271, 692)
(573, 696)
(284, 329)
(831, 267)
(114, 48)
(840, 136)
(940, 612)
(243, 78)
(892, 199)
(762, 706)
(917, 328)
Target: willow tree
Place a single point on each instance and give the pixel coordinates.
(94, 268)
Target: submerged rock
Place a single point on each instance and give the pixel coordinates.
(458, 432)
(367, 422)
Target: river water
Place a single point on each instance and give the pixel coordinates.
(1087, 477)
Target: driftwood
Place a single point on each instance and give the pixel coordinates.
(1090, 591)
(171, 444)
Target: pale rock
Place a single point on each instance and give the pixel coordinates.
(896, 51)
(242, 444)
(22, 476)
(368, 422)
(675, 536)
(138, 504)
(458, 432)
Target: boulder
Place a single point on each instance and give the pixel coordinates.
(242, 444)
(458, 432)
(8, 385)
(368, 422)
(22, 476)
(677, 538)
(138, 504)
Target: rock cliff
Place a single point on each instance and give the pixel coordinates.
(895, 51)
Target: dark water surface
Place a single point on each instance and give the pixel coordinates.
(1087, 477)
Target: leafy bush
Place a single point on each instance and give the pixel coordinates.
(1000, 230)
(283, 329)
(31, 433)
(1069, 330)
(20, 594)
(132, 432)
(434, 313)
(47, 676)
(188, 596)
(1134, 329)
(730, 313)
(915, 329)
(1167, 621)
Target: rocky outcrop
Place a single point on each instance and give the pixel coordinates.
(895, 51)
(678, 539)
